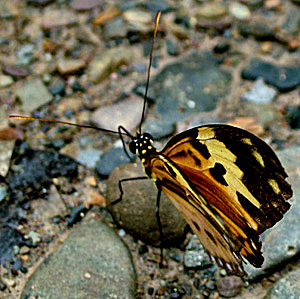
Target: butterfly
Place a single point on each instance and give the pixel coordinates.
(227, 183)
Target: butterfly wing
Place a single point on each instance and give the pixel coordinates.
(197, 212)
(240, 177)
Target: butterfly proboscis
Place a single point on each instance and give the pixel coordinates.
(227, 183)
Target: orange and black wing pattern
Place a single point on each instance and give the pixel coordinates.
(230, 187)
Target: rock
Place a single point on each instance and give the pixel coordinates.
(266, 114)
(58, 18)
(138, 20)
(222, 47)
(282, 242)
(25, 54)
(219, 24)
(292, 116)
(260, 93)
(292, 22)
(6, 150)
(33, 94)
(10, 238)
(229, 286)
(115, 29)
(156, 5)
(85, 4)
(126, 113)
(57, 86)
(178, 27)
(210, 10)
(68, 66)
(159, 128)
(76, 215)
(6, 81)
(3, 286)
(35, 238)
(172, 47)
(110, 160)
(239, 11)
(195, 255)
(106, 16)
(32, 172)
(11, 134)
(92, 263)
(16, 71)
(9, 9)
(89, 157)
(257, 28)
(47, 210)
(3, 191)
(284, 78)
(192, 85)
(136, 212)
(286, 287)
(24, 250)
(108, 61)
(39, 2)
(85, 34)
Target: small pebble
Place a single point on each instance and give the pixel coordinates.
(239, 11)
(122, 233)
(5, 80)
(35, 238)
(260, 92)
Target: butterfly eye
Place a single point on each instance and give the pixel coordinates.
(132, 147)
(148, 136)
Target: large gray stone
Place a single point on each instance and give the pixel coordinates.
(193, 84)
(92, 263)
(136, 212)
(33, 94)
(287, 287)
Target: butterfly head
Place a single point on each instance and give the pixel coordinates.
(142, 144)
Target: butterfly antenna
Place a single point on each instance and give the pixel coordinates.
(149, 67)
(126, 133)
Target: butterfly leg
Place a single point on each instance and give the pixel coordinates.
(121, 189)
(161, 236)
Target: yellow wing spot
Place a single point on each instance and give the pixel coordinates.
(144, 152)
(274, 185)
(253, 244)
(220, 153)
(145, 141)
(246, 140)
(149, 147)
(218, 148)
(205, 133)
(237, 185)
(140, 145)
(259, 158)
(143, 160)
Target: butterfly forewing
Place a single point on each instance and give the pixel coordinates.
(228, 184)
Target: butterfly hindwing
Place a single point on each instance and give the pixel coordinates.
(195, 209)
